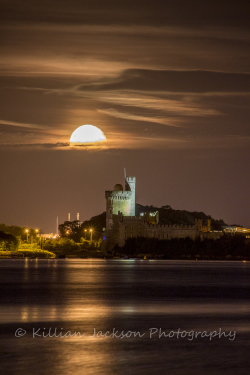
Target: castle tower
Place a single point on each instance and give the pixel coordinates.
(130, 186)
(119, 200)
(209, 225)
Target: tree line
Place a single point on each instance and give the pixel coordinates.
(228, 247)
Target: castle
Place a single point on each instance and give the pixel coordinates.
(122, 223)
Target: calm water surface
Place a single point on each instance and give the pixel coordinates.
(89, 296)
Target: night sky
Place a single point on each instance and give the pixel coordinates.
(166, 81)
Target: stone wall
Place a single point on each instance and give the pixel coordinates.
(129, 227)
(117, 201)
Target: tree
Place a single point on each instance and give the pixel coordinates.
(8, 241)
(97, 223)
(71, 230)
(18, 231)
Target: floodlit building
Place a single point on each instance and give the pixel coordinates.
(48, 236)
(122, 223)
(120, 200)
(236, 229)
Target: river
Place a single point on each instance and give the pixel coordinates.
(112, 317)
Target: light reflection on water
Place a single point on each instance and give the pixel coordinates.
(52, 313)
(81, 295)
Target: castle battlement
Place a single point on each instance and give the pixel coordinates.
(130, 179)
(118, 194)
(130, 218)
(170, 226)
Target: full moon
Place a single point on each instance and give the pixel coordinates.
(86, 134)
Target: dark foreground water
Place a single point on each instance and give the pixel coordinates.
(147, 300)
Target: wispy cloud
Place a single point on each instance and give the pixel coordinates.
(83, 67)
(99, 12)
(44, 129)
(22, 125)
(179, 107)
(188, 81)
(129, 116)
(58, 145)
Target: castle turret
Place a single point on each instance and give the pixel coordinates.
(130, 186)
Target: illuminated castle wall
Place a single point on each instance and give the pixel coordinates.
(119, 200)
(140, 226)
(121, 222)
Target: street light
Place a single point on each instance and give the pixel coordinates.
(27, 231)
(91, 232)
(85, 230)
(39, 238)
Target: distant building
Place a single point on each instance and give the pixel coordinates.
(121, 222)
(235, 229)
(48, 236)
